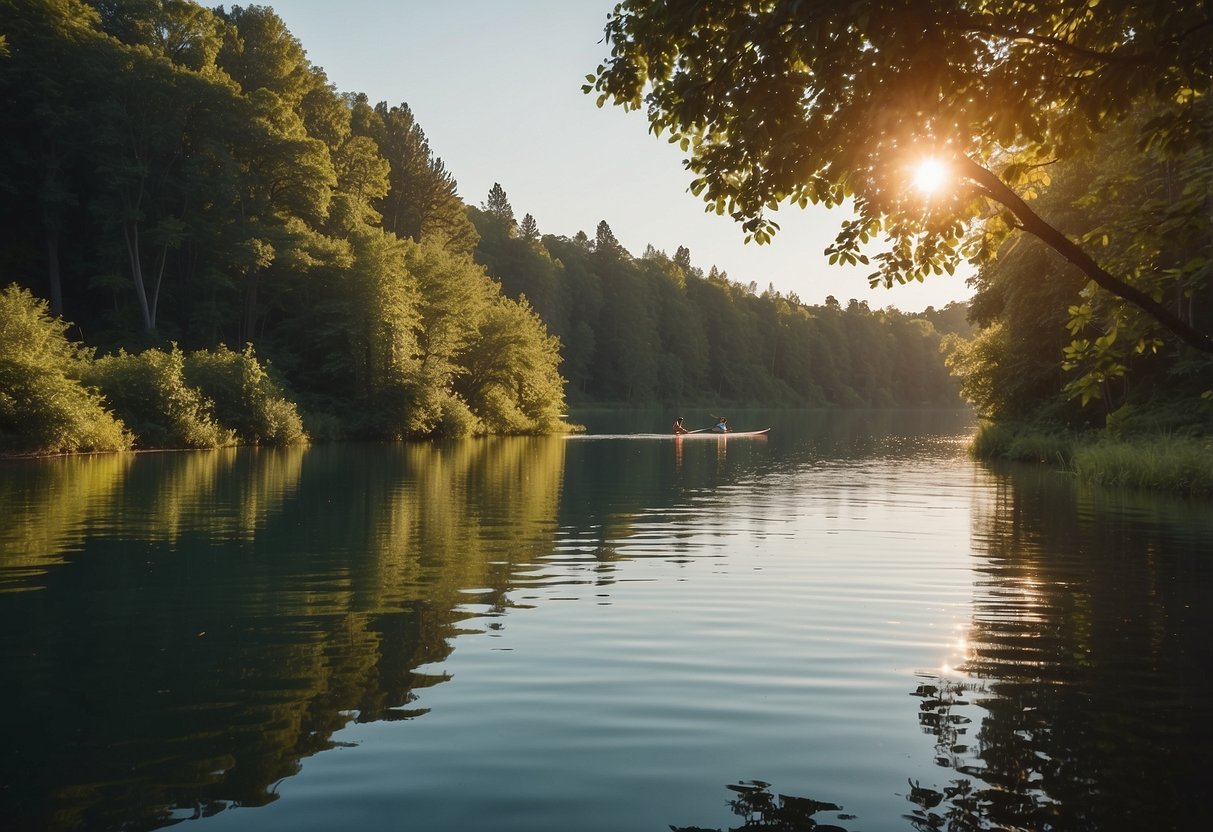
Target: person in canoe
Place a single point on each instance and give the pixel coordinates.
(678, 428)
(721, 426)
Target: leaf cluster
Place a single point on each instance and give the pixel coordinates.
(1050, 338)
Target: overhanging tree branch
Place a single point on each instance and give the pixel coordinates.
(1031, 222)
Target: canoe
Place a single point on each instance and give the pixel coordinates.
(733, 434)
(709, 434)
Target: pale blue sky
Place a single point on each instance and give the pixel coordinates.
(496, 85)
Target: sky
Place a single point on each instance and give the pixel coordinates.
(496, 86)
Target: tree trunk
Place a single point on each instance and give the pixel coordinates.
(159, 278)
(1031, 222)
(250, 307)
(130, 231)
(53, 275)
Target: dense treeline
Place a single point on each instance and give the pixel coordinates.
(179, 178)
(174, 179)
(656, 328)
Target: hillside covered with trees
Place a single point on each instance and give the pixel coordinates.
(177, 178)
(656, 328)
(204, 220)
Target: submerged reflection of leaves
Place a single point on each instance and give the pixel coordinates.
(760, 809)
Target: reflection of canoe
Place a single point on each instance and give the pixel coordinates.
(733, 434)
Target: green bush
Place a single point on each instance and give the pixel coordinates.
(991, 441)
(150, 393)
(457, 419)
(43, 406)
(500, 413)
(246, 398)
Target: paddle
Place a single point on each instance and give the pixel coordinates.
(701, 430)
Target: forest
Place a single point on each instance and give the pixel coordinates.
(656, 328)
(206, 243)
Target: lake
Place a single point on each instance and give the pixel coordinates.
(847, 624)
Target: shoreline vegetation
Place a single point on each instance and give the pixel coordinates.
(58, 398)
(1176, 463)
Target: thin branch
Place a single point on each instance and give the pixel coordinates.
(1061, 45)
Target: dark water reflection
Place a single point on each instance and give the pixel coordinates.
(220, 615)
(1090, 668)
(183, 633)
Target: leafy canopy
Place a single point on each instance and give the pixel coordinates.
(811, 101)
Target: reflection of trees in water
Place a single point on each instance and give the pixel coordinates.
(1089, 665)
(53, 506)
(193, 654)
(760, 809)
(47, 505)
(994, 790)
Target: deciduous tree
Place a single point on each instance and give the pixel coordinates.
(812, 101)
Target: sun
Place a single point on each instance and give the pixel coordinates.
(930, 176)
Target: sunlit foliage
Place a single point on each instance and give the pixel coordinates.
(150, 393)
(43, 406)
(1056, 349)
(246, 397)
(792, 102)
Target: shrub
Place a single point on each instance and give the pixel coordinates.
(992, 441)
(43, 406)
(150, 393)
(246, 398)
(1035, 446)
(500, 413)
(457, 419)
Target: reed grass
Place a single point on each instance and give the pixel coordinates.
(1168, 463)
(1163, 462)
(1023, 444)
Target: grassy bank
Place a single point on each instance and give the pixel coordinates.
(1164, 462)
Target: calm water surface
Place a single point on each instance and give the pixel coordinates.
(603, 634)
